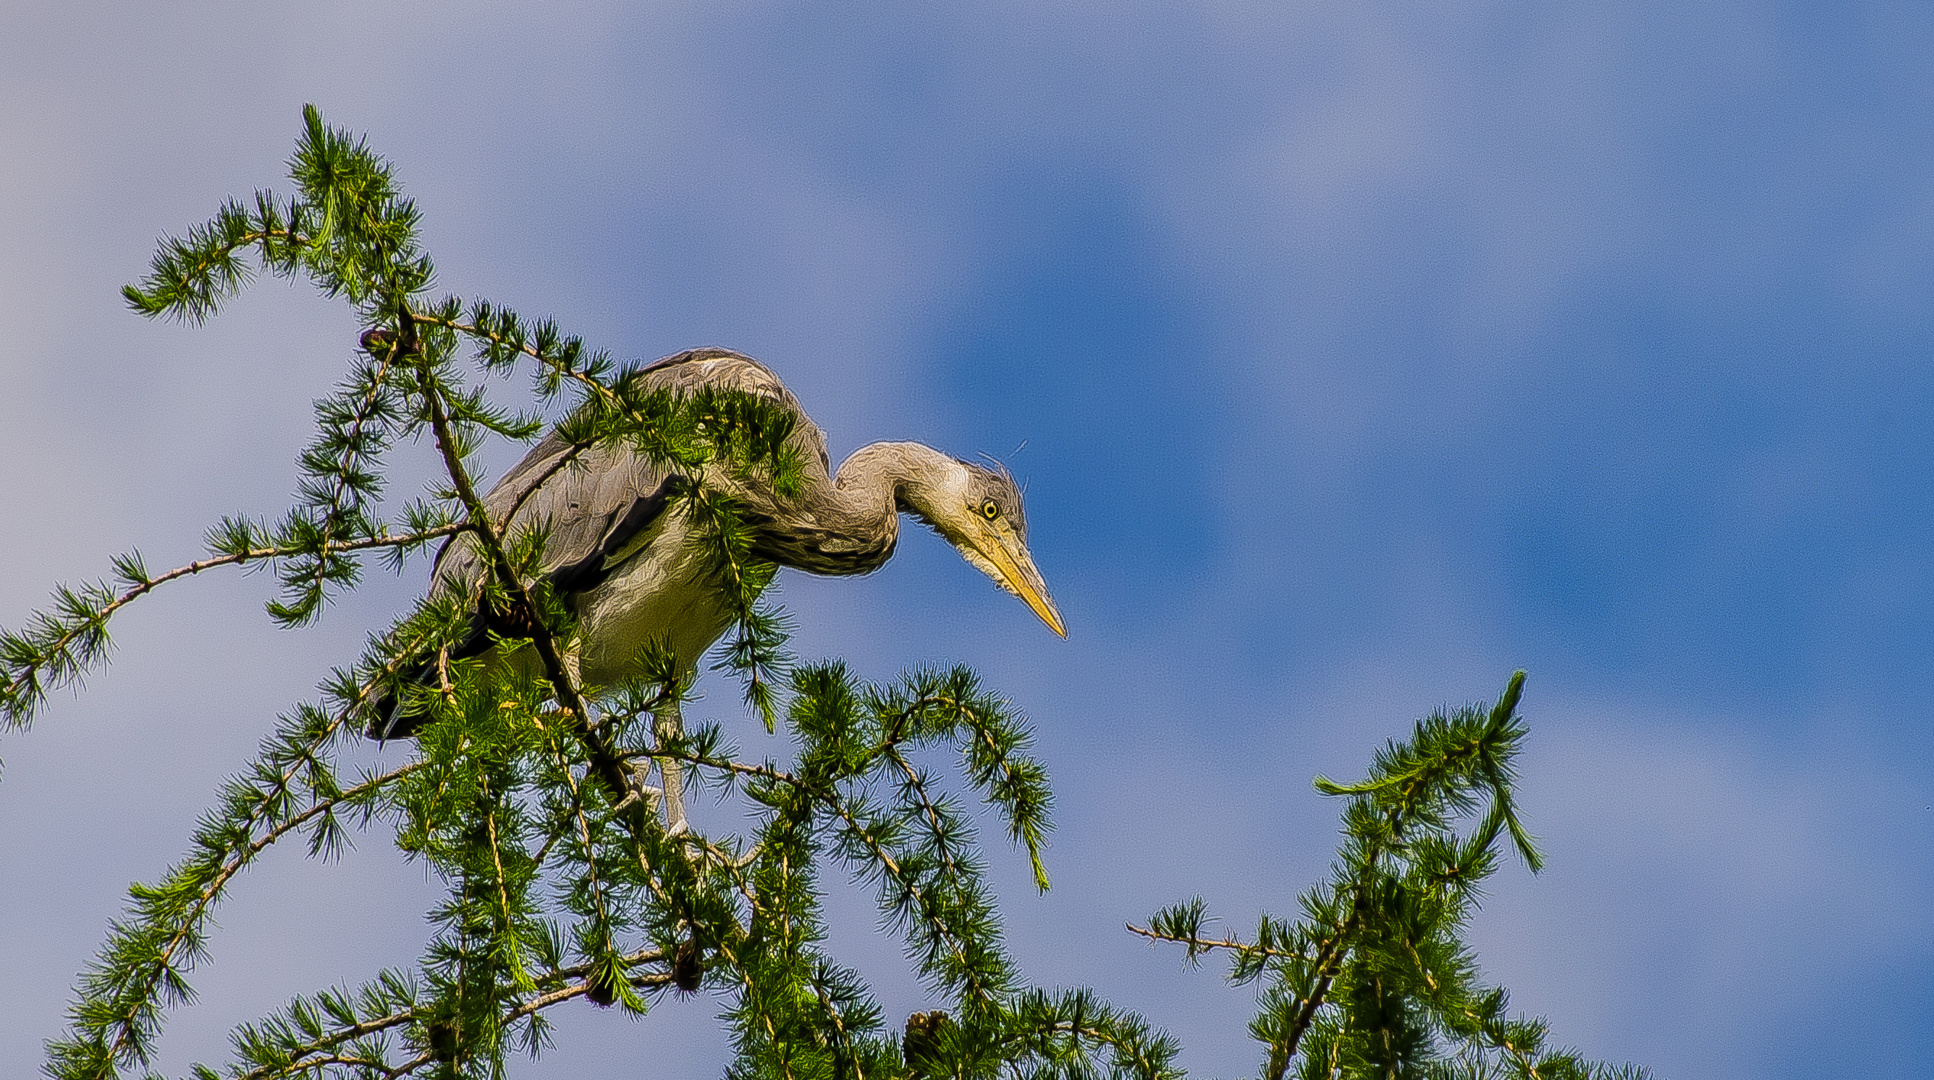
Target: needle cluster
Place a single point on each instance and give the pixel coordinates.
(1375, 979)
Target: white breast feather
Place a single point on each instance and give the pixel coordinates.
(659, 594)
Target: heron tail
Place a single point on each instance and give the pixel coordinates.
(388, 717)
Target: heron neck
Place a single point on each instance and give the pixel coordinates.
(884, 479)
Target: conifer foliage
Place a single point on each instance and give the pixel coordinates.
(528, 801)
(1375, 979)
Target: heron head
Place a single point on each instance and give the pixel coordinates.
(978, 510)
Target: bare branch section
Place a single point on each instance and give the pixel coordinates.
(1197, 944)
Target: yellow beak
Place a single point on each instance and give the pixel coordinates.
(1017, 572)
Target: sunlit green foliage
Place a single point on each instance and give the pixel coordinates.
(1375, 980)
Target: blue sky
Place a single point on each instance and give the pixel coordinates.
(1363, 352)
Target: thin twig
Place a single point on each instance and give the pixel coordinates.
(340, 479)
(551, 470)
(149, 583)
(527, 349)
(928, 809)
(299, 1058)
(1206, 944)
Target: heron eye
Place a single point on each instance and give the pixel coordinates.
(990, 510)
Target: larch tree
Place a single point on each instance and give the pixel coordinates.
(561, 878)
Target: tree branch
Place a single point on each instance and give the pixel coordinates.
(95, 620)
(164, 956)
(301, 1059)
(472, 330)
(1203, 944)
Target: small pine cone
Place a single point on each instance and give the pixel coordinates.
(922, 1039)
(600, 991)
(686, 968)
(443, 1040)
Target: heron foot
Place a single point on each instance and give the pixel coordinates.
(638, 790)
(669, 726)
(675, 822)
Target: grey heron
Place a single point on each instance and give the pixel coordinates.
(633, 574)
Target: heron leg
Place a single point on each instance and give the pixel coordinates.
(669, 724)
(638, 788)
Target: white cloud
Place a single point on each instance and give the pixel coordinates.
(1712, 888)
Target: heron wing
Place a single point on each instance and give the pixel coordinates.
(588, 500)
(723, 369)
(595, 501)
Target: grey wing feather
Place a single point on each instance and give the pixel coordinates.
(579, 502)
(607, 490)
(727, 370)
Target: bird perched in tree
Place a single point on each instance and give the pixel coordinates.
(633, 573)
